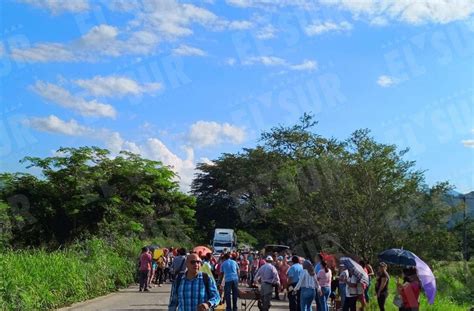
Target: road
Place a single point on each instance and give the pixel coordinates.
(157, 300)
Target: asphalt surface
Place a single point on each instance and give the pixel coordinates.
(157, 299)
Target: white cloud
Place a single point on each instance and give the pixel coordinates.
(62, 97)
(386, 81)
(271, 61)
(204, 133)
(267, 32)
(186, 50)
(44, 52)
(53, 124)
(230, 61)
(240, 25)
(271, 4)
(307, 65)
(155, 149)
(468, 143)
(60, 6)
(408, 11)
(265, 60)
(152, 148)
(172, 19)
(322, 27)
(101, 40)
(116, 86)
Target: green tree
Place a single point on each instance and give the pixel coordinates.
(84, 191)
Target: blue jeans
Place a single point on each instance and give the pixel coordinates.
(306, 298)
(317, 299)
(342, 293)
(231, 286)
(324, 298)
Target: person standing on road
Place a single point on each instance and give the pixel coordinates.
(293, 277)
(343, 277)
(179, 266)
(268, 276)
(193, 290)
(324, 278)
(230, 271)
(381, 285)
(308, 286)
(145, 268)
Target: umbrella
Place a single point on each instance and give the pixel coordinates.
(201, 250)
(397, 256)
(355, 269)
(153, 247)
(407, 258)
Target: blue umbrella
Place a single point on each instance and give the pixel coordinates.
(355, 269)
(398, 256)
(406, 258)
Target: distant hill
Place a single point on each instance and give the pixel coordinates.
(454, 198)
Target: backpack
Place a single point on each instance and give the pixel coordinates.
(161, 262)
(205, 278)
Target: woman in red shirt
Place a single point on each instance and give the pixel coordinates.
(409, 291)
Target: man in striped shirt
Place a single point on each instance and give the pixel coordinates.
(194, 291)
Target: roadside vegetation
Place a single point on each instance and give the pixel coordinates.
(73, 230)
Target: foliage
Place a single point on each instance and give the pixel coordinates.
(5, 226)
(86, 192)
(355, 196)
(41, 280)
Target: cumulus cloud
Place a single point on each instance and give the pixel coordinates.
(271, 4)
(265, 60)
(53, 124)
(230, 61)
(101, 40)
(411, 12)
(322, 27)
(267, 32)
(205, 133)
(469, 142)
(239, 25)
(386, 81)
(186, 50)
(62, 97)
(116, 86)
(152, 148)
(60, 6)
(306, 65)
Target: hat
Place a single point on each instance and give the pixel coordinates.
(269, 258)
(280, 257)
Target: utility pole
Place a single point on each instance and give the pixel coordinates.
(464, 227)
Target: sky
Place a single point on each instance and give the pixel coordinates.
(184, 82)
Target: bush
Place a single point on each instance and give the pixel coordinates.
(40, 280)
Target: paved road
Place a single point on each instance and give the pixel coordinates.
(157, 300)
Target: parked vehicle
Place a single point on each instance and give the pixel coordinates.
(224, 240)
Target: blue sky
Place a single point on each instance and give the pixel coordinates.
(183, 82)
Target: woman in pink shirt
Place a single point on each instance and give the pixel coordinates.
(283, 267)
(244, 270)
(324, 278)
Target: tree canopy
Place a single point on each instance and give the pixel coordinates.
(84, 191)
(313, 193)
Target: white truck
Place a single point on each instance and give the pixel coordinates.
(224, 240)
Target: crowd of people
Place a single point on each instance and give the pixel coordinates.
(279, 276)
